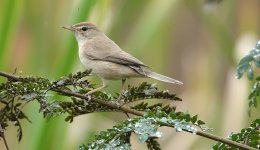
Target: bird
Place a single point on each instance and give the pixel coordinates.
(107, 60)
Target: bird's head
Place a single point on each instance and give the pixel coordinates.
(83, 30)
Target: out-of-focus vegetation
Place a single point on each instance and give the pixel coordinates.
(196, 42)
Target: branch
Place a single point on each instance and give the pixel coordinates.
(131, 111)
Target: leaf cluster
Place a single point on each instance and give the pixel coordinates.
(145, 91)
(246, 65)
(146, 127)
(249, 136)
(17, 93)
(74, 108)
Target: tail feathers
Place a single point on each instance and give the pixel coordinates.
(161, 77)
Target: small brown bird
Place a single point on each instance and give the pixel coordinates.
(107, 59)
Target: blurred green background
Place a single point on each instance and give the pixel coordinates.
(196, 42)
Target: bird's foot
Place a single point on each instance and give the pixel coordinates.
(118, 102)
(89, 95)
(89, 98)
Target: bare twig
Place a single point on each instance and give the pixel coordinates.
(2, 135)
(127, 115)
(134, 112)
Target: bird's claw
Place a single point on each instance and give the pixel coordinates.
(89, 98)
(117, 104)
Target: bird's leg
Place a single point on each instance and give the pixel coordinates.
(122, 87)
(119, 100)
(99, 88)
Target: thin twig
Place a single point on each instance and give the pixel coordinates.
(225, 141)
(250, 133)
(127, 115)
(2, 135)
(137, 113)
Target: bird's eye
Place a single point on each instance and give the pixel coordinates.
(84, 28)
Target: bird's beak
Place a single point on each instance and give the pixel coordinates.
(69, 28)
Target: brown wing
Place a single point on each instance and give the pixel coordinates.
(102, 48)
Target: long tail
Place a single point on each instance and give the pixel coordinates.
(161, 77)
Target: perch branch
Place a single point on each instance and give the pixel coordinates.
(134, 112)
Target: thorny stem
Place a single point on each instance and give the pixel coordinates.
(2, 135)
(134, 112)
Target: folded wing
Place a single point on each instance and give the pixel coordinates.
(107, 50)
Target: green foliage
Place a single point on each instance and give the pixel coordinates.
(144, 106)
(73, 108)
(146, 91)
(16, 92)
(146, 127)
(249, 136)
(254, 94)
(15, 95)
(246, 65)
(152, 144)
